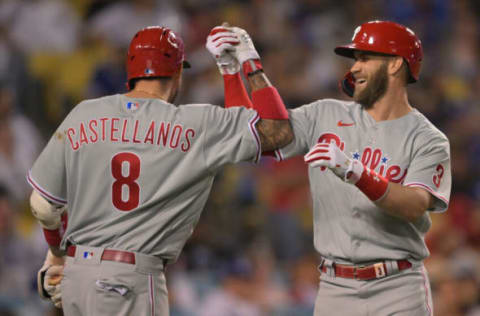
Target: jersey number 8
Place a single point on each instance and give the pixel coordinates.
(132, 161)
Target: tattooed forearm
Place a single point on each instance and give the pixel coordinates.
(274, 134)
(258, 81)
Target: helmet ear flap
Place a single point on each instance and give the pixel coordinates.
(347, 84)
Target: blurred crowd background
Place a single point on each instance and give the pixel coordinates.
(252, 252)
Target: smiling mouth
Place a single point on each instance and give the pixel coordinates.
(360, 81)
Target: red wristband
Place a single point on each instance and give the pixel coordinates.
(235, 92)
(52, 236)
(373, 185)
(251, 66)
(269, 104)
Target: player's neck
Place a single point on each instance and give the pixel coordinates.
(394, 104)
(150, 90)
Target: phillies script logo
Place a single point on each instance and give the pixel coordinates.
(373, 158)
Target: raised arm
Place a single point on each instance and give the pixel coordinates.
(233, 50)
(274, 132)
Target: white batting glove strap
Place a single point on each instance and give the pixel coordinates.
(330, 156)
(222, 46)
(40, 278)
(245, 50)
(354, 172)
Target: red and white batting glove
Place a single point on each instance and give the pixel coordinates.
(232, 47)
(266, 101)
(51, 284)
(246, 53)
(221, 43)
(328, 155)
(49, 278)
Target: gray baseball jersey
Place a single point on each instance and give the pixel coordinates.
(348, 227)
(136, 173)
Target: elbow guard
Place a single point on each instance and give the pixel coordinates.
(48, 214)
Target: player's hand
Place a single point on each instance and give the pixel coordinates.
(245, 50)
(221, 44)
(330, 156)
(51, 284)
(49, 278)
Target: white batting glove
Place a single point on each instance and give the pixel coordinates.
(51, 284)
(49, 278)
(328, 155)
(245, 50)
(221, 44)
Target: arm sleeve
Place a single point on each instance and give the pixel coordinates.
(430, 170)
(48, 174)
(235, 92)
(230, 136)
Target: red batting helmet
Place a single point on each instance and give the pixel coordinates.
(155, 52)
(388, 38)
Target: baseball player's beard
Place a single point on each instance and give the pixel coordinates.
(375, 89)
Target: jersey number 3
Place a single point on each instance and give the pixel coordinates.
(130, 163)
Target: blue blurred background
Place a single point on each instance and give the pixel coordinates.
(251, 253)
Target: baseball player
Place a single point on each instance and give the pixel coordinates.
(135, 171)
(377, 168)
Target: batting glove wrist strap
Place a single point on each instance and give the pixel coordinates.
(269, 104)
(251, 67)
(373, 185)
(40, 281)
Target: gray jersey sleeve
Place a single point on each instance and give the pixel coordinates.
(430, 169)
(50, 170)
(303, 124)
(230, 136)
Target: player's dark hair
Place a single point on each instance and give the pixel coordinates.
(132, 82)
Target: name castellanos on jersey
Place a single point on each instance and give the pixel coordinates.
(127, 130)
(373, 158)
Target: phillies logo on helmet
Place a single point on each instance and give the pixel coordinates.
(172, 39)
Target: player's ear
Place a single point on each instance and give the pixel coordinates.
(395, 65)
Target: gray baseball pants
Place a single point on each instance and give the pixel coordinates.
(91, 286)
(406, 293)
